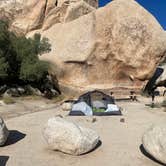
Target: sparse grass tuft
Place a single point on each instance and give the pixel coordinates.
(8, 100)
(31, 97)
(58, 99)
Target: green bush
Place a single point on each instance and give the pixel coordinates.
(33, 71)
(19, 61)
(3, 66)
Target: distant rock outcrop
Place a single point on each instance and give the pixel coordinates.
(25, 16)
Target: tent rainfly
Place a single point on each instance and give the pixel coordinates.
(95, 103)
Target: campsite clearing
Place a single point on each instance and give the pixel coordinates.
(120, 142)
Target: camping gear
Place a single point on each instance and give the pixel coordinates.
(112, 108)
(83, 107)
(95, 103)
(99, 104)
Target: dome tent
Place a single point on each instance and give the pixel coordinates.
(94, 103)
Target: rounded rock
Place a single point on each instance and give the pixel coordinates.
(4, 133)
(154, 142)
(68, 137)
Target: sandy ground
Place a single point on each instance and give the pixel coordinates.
(120, 142)
(23, 106)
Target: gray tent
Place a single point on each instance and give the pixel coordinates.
(88, 102)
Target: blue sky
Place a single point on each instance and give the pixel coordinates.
(156, 7)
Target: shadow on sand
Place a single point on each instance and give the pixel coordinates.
(96, 147)
(14, 137)
(142, 149)
(3, 160)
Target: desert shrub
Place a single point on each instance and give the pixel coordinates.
(59, 98)
(33, 71)
(3, 66)
(19, 61)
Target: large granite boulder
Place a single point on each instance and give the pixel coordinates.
(68, 137)
(119, 45)
(4, 133)
(154, 142)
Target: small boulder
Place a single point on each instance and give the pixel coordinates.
(67, 106)
(3, 88)
(68, 137)
(11, 92)
(32, 91)
(4, 133)
(91, 119)
(54, 92)
(154, 142)
(122, 120)
(21, 90)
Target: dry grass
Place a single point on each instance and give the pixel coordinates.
(58, 99)
(31, 97)
(8, 100)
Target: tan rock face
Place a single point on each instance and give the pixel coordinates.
(30, 18)
(93, 3)
(76, 10)
(25, 16)
(66, 12)
(119, 45)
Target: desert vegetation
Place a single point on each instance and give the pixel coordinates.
(19, 61)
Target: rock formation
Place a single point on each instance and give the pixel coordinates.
(118, 45)
(3, 132)
(154, 142)
(25, 16)
(68, 137)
